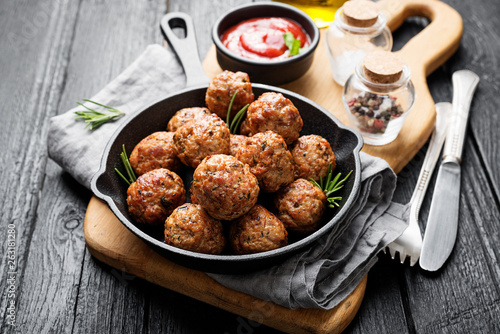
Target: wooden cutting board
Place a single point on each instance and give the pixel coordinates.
(110, 242)
(424, 53)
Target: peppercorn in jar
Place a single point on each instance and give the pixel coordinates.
(379, 96)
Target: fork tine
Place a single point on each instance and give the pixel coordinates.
(393, 253)
(413, 260)
(402, 256)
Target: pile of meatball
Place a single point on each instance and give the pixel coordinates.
(268, 156)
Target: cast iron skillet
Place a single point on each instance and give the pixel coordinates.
(108, 186)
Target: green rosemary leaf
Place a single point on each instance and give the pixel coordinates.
(122, 176)
(228, 117)
(333, 201)
(102, 105)
(238, 119)
(345, 178)
(128, 168)
(328, 177)
(331, 186)
(93, 118)
(315, 183)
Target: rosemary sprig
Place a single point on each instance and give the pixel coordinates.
(228, 117)
(238, 118)
(95, 119)
(128, 169)
(331, 186)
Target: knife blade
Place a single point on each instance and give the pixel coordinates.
(442, 224)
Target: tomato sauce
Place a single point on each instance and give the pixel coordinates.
(262, 38)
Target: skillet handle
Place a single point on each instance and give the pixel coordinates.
(186, 49)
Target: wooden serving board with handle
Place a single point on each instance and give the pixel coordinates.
(424, 53)
(110, 242)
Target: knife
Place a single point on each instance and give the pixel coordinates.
(441, 231)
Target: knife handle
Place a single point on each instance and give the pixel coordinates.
(464, 85)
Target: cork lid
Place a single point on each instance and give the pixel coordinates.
(383, 67)
(360, 13)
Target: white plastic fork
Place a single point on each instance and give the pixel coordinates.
(409, 244)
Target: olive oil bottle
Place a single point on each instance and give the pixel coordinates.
(321, 11)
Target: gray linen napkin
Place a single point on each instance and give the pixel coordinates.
(320, 277)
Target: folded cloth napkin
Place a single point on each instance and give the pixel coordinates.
(320, 277)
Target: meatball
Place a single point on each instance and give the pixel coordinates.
(244, 129)
(300, 206)
(185, 115)
(191, 228)
(221, 90)
(236, 142)
(257, 231)
(269, 160)
(272, 111)
(200, 138)
(153, 197)
(224, 187)
(155, 151)
(312, 154)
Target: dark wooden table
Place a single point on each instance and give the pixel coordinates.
(54, 53)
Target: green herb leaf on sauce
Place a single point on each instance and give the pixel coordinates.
(291, 43)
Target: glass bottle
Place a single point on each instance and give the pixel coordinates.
(379, 96)
(321, 11)
(359, 27)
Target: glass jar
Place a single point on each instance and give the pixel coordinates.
(378, 108)
(349, 39)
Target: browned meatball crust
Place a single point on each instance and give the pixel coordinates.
(312, 154)
(272, 111)
(244, 129)
(257, 231)
(236, 142)
(300, 206)
(200, 138)
(155, 194)
(191, 228)
(269, 160)
(155, 151)
(221, 90)
(186, 115)
(224, 187)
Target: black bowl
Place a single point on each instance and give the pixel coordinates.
(268, 72)
(108, 186)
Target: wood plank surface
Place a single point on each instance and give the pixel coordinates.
(36, 38)
(55, 52)
(108, 37)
